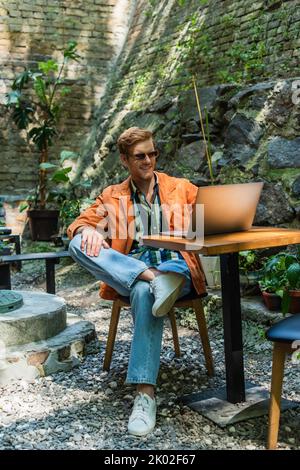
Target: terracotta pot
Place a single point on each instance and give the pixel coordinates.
(43, 224)
(272, 301)
(295, 301)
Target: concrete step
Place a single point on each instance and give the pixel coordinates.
(59, 353)
(252, 307)
(41, 317)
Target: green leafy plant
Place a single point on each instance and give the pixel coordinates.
(273, 278)
(62, 192)
(250, 268)
(36, 102)
(250, 261)
(281, 274)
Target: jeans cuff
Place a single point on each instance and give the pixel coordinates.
(133, 278)
(140, 381)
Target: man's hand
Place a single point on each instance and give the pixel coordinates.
(93, 241)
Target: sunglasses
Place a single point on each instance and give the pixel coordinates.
(142, 156)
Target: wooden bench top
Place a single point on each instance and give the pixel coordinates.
(34, 256)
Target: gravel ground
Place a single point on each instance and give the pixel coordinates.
(88, 408)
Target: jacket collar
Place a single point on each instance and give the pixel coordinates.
(165, 182)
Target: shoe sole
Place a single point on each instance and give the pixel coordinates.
(165, 307)
(141, 433)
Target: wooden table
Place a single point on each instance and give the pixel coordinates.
(228, 246)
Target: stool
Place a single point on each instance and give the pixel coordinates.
(282, 334)
(192, 300)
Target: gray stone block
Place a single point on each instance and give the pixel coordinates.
(41, 316)
(58, 354)
(284, 153)
(274, 207)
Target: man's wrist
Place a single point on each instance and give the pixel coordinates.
(83, 227)
(80, 229)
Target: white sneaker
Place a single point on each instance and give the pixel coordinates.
(143, 417)
(166, 289)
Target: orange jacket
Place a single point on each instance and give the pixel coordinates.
(171, 191)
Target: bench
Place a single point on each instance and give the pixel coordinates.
(51, 259)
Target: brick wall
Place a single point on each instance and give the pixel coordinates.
(35, 30)
(220, 41)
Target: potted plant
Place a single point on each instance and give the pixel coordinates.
(250, 267)
(36, 103)
(291, 296)
(271, 288)
(280, 282)
(69, 196)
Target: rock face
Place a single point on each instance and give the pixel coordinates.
(296, 187)
(274, 207)
(242, 139)
(192, 155)
(40, 339)
(253, 134)
(284, 153)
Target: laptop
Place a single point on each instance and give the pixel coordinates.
(227, 208)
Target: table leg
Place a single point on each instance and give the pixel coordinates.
(232, 320)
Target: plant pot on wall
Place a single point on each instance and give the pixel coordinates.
(43, 224)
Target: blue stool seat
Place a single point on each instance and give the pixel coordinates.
(285, 331)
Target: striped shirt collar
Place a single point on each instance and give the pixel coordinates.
(135, 191)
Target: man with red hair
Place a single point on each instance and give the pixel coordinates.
(106, 240)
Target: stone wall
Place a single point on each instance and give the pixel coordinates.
(251, 116)
(249, 47)
(36, 30)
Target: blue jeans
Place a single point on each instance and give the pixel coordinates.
(121, 272)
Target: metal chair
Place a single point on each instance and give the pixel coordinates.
(283, 334)
(191, 300)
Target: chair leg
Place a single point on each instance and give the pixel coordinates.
(115, 315)
(198, 307)
(174, 332)
(279, 351)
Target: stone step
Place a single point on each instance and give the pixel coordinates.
(60, 353)
(252, 308)
(41, 317)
